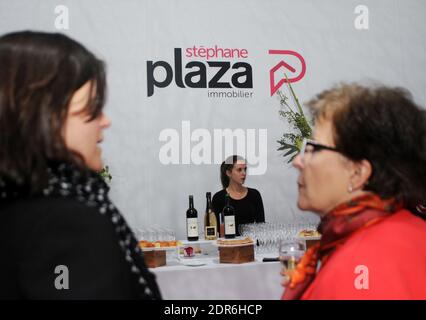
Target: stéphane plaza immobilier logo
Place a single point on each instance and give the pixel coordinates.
(292, 69)
(222, 72)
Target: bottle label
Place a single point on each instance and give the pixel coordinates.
(211, 233)
(230, 225)
(192, 227)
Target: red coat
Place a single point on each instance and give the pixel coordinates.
(391, 261)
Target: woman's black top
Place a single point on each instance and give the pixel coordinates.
(247, 210)
(70, 242)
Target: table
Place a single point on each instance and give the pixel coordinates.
(215, 281)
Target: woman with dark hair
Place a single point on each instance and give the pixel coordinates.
(247, 202)
(360, 174)
(60, 235)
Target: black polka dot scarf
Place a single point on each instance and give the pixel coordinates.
(88, 187)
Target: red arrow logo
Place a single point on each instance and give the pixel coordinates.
(286, 66)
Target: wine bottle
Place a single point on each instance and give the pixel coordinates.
(229, 219)
(191, 221)
(221, 225)
(210, 221)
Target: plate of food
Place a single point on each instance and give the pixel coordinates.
(158, 245)
(309, 235)
(237, 242)
(158, 249)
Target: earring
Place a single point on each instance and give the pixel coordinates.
(350, 189)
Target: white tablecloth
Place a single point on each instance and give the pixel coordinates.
(249, 281)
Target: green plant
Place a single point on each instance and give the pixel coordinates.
(105, 174)
(291, 142)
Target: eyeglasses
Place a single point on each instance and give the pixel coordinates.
(310, 146)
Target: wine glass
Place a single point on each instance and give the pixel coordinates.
(290, 252)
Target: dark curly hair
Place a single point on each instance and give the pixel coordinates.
(39, 73)
(384, 126)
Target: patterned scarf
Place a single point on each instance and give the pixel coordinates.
(68, 181)
(336, 227)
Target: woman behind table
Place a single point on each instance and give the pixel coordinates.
(247, 202)
(364, 167)
(60, 235)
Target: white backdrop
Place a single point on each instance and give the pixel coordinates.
(127, 34)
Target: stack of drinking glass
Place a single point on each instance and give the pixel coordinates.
(268, 235)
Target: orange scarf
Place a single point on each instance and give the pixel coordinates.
(336, 227)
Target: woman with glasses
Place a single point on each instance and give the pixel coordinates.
(60, 235)
(363, 173)
(247, 202)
